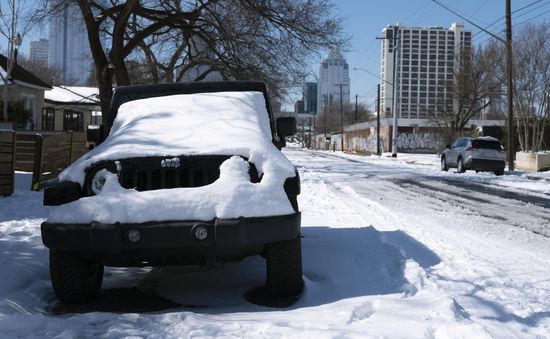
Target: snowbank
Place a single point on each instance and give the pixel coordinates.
(223, 123)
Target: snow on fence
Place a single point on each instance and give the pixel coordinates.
(7, 162)
(46, 153)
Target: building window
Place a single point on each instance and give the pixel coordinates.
(73, 121)
(96, 118)
(48, 119)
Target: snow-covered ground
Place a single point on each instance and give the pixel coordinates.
(391, 248)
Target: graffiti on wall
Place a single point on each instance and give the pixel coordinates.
(423, 142)
(365, 144)
(419, 142)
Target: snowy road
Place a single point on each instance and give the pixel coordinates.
(391, 248)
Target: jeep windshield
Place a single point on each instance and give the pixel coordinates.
(217, 123)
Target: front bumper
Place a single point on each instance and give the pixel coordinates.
(171, 242)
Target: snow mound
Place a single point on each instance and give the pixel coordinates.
(231, 196)
(223, 123)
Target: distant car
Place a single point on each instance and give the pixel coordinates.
(479, 154)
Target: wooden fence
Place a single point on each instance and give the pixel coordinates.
(47, 153)
(7, 162)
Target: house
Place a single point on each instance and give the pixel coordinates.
(71, 108)
(24, 86)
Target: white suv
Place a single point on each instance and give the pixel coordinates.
(479, 154)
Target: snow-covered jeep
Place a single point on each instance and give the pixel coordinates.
(189, 174)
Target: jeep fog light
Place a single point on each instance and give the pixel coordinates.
(133, 236)
(200, 232)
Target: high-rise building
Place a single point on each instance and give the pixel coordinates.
(333, 81)
(69, 49)
(39, 52)
(425, 63)
(310, 97)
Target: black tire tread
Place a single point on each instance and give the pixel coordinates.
(444, 167)
(284, 268)
(70, 279)
(460, 166)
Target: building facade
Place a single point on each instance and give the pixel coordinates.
(68, 46)
(334, 82)
(39, 52)
(310, 97)
(425, 62)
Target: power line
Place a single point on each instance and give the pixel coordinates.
(501, 26)
(467, 20)
(517, 25)
(503, 17)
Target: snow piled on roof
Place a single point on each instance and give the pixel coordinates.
(73, 94)
(222, 123)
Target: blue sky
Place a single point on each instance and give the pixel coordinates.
(364, 19)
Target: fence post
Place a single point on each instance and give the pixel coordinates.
(7, 163)
(71, 148)
(37, 165)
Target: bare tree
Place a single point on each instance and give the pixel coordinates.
(239, 39)
(329, 118)
(50, 75)
(16, 20)
(474, 86)
(532, 84)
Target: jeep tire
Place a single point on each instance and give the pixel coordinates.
(74, 279)
(284, 268)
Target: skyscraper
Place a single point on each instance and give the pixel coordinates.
(310, 97)
(39, 52)
(69, 49)
(333, 81)
(425, 64)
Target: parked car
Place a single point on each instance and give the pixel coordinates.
(190, 174)
(479, 154)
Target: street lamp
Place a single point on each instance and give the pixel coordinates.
(11, 61)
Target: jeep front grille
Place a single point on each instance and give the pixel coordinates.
(146, 174)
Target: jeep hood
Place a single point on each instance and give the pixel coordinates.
(222, 123)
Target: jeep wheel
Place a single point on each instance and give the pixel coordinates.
(284, 268)
(499, 172)
(74, 279)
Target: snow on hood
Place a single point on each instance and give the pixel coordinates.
(221, 123)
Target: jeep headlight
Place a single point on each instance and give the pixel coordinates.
(97, 177)
(98, 180)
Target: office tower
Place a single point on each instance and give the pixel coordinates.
(39, 52)
(425, 63)
(333, 81)
(310, 97)
(69, 49)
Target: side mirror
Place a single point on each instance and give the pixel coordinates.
(286, 126)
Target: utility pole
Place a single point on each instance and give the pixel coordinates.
(509, 93)
(356, 108)
(341, 120)
(341, 115)
(395, 44)
(395, 40)
(378, 151)
(325, 119)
